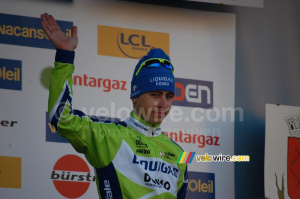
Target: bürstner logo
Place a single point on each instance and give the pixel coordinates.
(27, 31)
(71, 176)
(193, 93)
(129, 43)
(10, 74)
(8, 123)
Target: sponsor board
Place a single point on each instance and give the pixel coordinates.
(129, 43)
(71, 176)
(6, 123)
(193, 93)
(10, 74)
(201, 185)
(107, 85)
(27, 31)
(200, 140)
(10, 172)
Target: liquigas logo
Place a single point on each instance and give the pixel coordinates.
(129, 43)
(71, 176)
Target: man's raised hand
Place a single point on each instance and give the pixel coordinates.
(56, 35)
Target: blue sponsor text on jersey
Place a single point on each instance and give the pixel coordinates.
(155, 166)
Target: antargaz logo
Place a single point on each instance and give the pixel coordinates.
(129, 43)
(27, 31)
(193, 93)
(71, 176)
(10, 74)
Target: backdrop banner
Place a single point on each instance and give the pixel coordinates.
(282, 152)
(113, 35)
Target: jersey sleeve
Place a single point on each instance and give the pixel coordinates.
(80, 130)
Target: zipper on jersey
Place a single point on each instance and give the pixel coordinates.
(157, 156)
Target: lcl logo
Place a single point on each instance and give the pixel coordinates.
(130, 43)
(134, 40)
(193, 93)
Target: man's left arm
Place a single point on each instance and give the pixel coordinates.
(182, 184)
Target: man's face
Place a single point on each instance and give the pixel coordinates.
(153, 106)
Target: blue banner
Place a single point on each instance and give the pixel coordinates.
(27, 31)
(193, 93)
(10, 74)
(201, 185)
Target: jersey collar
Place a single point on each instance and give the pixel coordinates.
(142, 126)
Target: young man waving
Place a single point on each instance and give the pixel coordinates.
(133, 158)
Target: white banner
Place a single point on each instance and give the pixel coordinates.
(282, 152)
(201, 46)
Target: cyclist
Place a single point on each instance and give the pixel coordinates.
(132, 158)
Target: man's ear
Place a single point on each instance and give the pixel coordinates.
(134, 100)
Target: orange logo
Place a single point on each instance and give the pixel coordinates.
(10, 172)
(129, 43)
(71, 176)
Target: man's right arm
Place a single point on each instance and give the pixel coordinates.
(71, 124)
(60, 91)
(81, 131)
(86, 135)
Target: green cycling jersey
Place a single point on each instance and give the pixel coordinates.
(132, 158)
